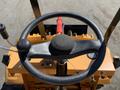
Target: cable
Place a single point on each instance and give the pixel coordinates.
(6, 48)
(10, 43)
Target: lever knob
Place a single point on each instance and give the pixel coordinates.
(3, 31)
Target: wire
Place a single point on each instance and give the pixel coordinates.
(6, 48)
(10, 43)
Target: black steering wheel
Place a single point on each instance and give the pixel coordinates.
(61, 47)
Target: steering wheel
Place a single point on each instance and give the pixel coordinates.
(61, 47)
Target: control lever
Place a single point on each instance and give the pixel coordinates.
(59, 26)
(3, 31)
(112, 26)
(70, 33)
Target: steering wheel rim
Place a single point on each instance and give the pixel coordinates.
(67, 79)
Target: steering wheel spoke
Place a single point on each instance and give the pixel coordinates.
(86, 46)
(39, 50)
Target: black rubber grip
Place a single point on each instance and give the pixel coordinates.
(3, 31)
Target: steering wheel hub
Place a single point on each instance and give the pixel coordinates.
(61, 45)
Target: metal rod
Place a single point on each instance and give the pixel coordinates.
(61, 70)
(10, 43)
(112, 26)
(37, 13)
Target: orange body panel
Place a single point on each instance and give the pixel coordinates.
(76, 64)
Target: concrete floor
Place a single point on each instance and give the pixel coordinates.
(16, 14)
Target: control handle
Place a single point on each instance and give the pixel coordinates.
(3, 31)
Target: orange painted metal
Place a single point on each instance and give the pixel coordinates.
(77, 64)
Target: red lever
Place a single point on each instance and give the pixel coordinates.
(59, 26)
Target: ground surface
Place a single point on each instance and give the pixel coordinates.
(16, 14)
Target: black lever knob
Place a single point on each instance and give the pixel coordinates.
(3, 31)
